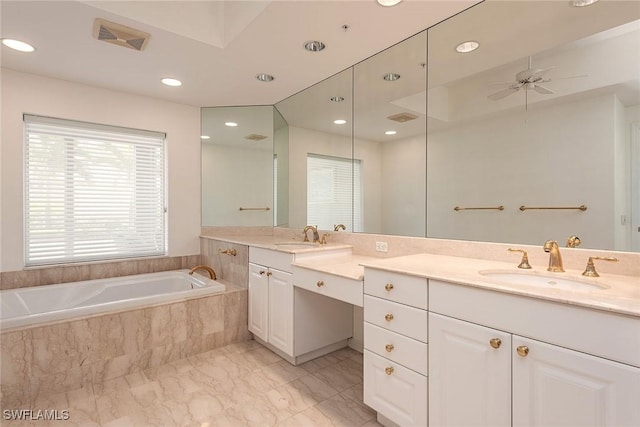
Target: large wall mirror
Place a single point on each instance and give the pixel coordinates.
(539, 116)
(544, 114)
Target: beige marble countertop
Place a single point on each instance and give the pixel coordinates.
(619, 294)
(277, 243)
(350, 267)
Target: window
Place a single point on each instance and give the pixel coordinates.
(334, 192)
(92, 192)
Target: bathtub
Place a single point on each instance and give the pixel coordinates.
(35, 305)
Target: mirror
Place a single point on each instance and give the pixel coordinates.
(390, 137)
(320, 154)
(238, 165)
(560, 137)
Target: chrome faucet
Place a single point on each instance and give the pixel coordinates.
(316, 236)
(555, 260)
(212, 273)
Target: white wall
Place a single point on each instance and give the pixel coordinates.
(27, 93)
(234, 177)
(304, 141)
(553, 156)
(404, 183)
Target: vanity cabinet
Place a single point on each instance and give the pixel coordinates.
(494, 376)
(395, 346)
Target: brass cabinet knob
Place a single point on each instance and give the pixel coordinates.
(522, 350)
(495, 342)
(320, 283)
(388, 317)
(389, 348)
(388, 286)
(388, 370)
(262, 272)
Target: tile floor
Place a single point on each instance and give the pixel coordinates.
(241, 384)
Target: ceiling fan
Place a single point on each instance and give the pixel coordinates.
(529, 79)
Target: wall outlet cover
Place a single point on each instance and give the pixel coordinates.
(382, 246)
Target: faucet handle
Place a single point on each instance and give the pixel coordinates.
(524, 263)
(590, 270)
(573, 242)
(323, 239)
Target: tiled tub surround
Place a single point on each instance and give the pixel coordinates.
(232, 266)
(58, 357)
(90, 271)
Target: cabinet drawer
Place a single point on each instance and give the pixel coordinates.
(409, 321)
(340, 288)
(398, 393)
(274, 259)
(396, 287)
(397, 348)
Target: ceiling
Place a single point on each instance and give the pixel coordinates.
(215, 47)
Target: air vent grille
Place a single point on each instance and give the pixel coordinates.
(120, 35)
(402, 117)
(255, 137)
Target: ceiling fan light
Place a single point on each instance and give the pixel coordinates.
(388, 3)
(582, 3)
(468, 46)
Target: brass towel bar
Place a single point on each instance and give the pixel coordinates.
(458, 208)
(581, 207)
(255, 209)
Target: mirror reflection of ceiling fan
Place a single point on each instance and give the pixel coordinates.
(529, 79)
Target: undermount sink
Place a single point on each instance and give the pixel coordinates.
(542, 280)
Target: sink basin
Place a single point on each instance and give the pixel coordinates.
(541, 280)
(296, 245)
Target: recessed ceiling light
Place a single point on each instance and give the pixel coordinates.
(231, 124)
(169, 81)
(468, 46)
(314, 46)
(582, 3)
(18, 45)
(390, 132)
(388, 3)
(340, 121)
(391, 77)
(336, 99)
(205, 137)
(265, 77)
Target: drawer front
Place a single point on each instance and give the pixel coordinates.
(340, 288)
(397, 348)
(398, 393)
(405, 320)
(409, 290)
(273, 259)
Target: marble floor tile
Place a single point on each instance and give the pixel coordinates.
(239, 385)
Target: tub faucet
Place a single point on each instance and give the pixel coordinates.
(316, 236)
(555, 260)
(212, 273)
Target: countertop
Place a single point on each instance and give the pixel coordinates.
(277, 243)
(620, 294)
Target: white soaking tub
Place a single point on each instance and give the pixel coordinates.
(38, 304)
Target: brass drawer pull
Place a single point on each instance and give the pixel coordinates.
(388, 287)
(389, 348)
(388, 370)
(320, 283)
(231, 252)
(495, 342)
(388, 317)
(522, 350)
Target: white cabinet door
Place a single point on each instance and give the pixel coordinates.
(469, 374)
(281, 310)
(396, 392)
(258, 301)
(554, 386)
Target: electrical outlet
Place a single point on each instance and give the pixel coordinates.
(381, 246)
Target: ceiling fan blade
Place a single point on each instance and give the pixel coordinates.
(501, 83)
(504, 93)
(543, 90)
(539, 74)
(571, 77)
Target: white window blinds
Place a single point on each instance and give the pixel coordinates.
(333, 192)
(92, 192)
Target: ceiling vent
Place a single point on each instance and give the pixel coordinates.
(402, 117)
(120, 35)
(255, 137)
